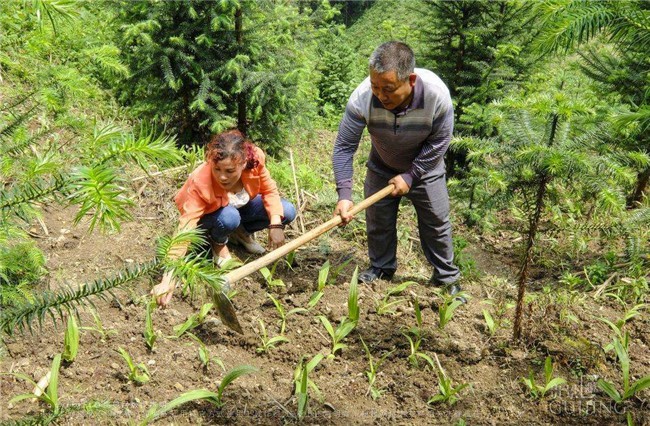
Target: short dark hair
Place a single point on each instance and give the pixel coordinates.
(393, 56)
(231, 144)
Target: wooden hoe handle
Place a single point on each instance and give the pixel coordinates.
(272, 256)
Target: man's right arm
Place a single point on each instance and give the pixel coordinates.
(347, 143)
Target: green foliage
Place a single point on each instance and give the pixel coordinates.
(150, 334)
(50, 395)
(193, 320)
(195, 64)
(282, 313)
(374, 392)
(418, 337)
(71, 340)
(214, 398)
(138, 374)
(204, 354)
(448, 306)
(68, 299)
(385, 306)
(21, 266)
(268, 343)
(348, 323)
(447, 391)
(539, 390)
(302, 383)
(629, 389)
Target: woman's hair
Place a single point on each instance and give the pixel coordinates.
(231, 144)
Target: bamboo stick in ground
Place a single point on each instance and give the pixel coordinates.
(295, 184)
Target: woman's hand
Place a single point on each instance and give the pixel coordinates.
(276, 237)
(163, 292)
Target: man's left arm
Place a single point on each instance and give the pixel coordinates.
(434, 147)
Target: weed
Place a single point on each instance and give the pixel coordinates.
(386, 306)
(302, 383)
(71, 340)
(538, 391)
(628, 390)
(138, 374)
(374, 392)
(447, 392)
(268, 343)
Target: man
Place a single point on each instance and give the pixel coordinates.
(409, 115)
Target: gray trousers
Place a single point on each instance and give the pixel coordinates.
(431, 201)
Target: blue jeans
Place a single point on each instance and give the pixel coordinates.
(252, 216)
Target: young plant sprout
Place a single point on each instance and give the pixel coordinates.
(269, 277)
(629, 390)
(215, 398)
(374, 392)
(302, 383)
(45, 391)
(416, 341)
(447, 392)
(268, 343)
(448, 306)
(538, 391)
(385, 306)
(193, 321)
(71, 340)
(138, 374)
(204, 354)
(282, 313)
(150, 335)
(348, 323)
(104, 333)
(323, 274)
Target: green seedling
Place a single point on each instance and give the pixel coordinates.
(150, 335)
(268, 343)
(538, 391)
(374, 392)
(104, 333)
(302, 383)
(447, 308)
(490, 323)
(385, 306)
(193, 321)
(326, 276)
(269, 276)
(417, 339)
(447, 392)
(138, 374)
(617, 327)
(348, 323)
(282, 313)
(214, 398)
(629, 390)
(204, 354)
(45, 391)
(323, 274)
(71, 340)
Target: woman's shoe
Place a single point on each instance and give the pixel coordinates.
(247, 241)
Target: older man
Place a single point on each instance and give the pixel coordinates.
(410, 118)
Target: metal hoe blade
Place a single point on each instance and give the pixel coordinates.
(226, 311)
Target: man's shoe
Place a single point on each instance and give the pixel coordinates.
(371, 274)
(454, 289)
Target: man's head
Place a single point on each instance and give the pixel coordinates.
(392, 74)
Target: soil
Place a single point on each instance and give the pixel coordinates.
(491, 365)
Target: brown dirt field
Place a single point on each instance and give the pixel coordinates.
(491, 365)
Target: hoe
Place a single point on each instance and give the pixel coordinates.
(225, 308)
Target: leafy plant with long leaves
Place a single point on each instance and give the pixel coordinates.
(348, 323)
(415, 337)
(629, 389)
(371, 373)
(138, 373)
(48, 395)
(302, 383)
(71, 340)
(539, 390)
(447, 392)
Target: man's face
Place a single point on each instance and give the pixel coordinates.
(390, 91)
